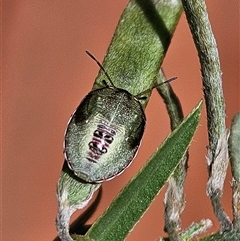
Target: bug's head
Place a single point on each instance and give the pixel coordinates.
(140, 96)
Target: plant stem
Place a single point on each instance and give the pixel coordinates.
(205, 42)
(199, 24)
(234, 149)
(171, 101)
(174, 198)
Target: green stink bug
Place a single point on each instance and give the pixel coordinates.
(104, 133)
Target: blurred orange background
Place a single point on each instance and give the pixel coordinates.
(46, 73)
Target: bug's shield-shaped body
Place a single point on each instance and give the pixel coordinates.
(104, 134)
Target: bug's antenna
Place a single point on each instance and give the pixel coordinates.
(145, 91)
(164, 82)
(101, 67)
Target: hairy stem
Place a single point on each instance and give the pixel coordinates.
(200, 26)
(234, 149)
(205, 42)
(174, 197)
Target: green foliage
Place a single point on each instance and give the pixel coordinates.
(139, 45)
(135, 198)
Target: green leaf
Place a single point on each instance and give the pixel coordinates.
(125, 211)
(81, 238)
(139, 45)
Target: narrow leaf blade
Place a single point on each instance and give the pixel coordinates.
(128, 207)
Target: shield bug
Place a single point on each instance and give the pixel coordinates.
(104, 133)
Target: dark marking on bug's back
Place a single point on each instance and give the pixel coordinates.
(101, 140)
